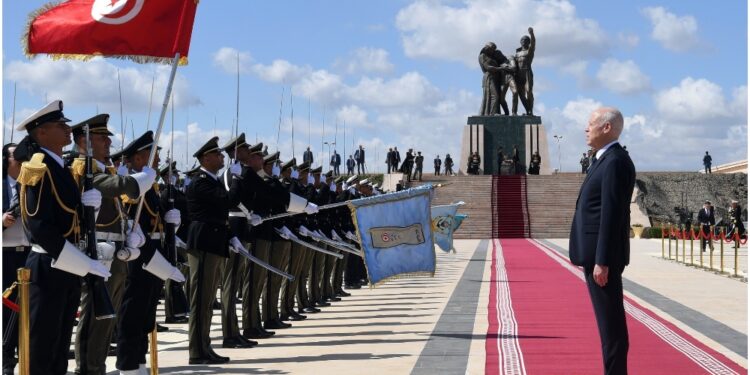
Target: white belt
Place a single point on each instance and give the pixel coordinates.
(155, 236)
(109, 236)
(237, 214)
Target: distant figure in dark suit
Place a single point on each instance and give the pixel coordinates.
(359, 157)
(448, 165)
(350, 165)
(707, 219)
(584, 163)
(389, 160)
(437, 163)
(335, 163)
(600, 233)
(307, 156)
(707, 163)
(396, 159)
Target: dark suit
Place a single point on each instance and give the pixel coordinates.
(600, 235)
(707, 219)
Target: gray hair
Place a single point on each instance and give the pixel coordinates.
(613, 116)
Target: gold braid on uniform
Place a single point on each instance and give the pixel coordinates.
(157, 225)
(78, 170)
(32, 173)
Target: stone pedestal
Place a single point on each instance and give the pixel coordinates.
(485, 134)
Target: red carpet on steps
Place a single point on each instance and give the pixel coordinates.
(509, 217)
(541, 322)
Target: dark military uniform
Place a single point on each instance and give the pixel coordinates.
(92, 335)
(297, 251)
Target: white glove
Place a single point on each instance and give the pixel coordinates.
(351, 236)
(235, 169)
(135, 238)
(178, 242)
(235, 245)
(173, 217)
(282, 233)
(335, 235)
(322, 178)
(288, 232)
(105, 252)
(186, 181)
(333, 186)
(320, 234)
(161, 268)
(122, 170)
(311, 208)
(352, 190)
(177, 275)
(310, 179)
(255, 220)
(92, 198)
(304, 231)
(128, 254)
(275, 171)
(344, 186)
(98, 269)
(295, 173)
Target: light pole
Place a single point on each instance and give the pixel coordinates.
(559, 165)
(329, 144)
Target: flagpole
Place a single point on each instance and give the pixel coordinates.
(13, 117)
(150, 101)
(291, 104)
(157, 134)
(237, 111)
(281, 106)
(122, 124)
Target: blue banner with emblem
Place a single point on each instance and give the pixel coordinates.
(395, 232)
(444, 224)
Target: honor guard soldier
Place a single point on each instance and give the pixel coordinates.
(51, 209)
(147, 272)
(319, 260)
(307, 186)
(235, 265)
(172, 293)
(326, 225)
(93, 336)
(289, 179)
(209, 241)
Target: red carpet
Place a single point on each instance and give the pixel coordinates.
(510, 218)
(541, 322)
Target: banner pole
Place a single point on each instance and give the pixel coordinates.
(24, 279)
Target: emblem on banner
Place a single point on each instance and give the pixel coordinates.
(115, 12)
(386, 237)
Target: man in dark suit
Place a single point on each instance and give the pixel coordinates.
(707, 219)
(335, 163)
(389, 160)
(396, 159)
(307, 156)
(359, 157)
(599, 236)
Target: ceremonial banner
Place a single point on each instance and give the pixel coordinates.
(395, 232)
(444, 224)
(140, 30)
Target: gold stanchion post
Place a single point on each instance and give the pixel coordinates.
(24, 279)
(691, 246)
(662, 241)
(670, 241)
(154, 353)
(736, 250)
(683, 244)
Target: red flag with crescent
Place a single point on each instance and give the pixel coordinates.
(140, 30)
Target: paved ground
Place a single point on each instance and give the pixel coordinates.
(437, 325)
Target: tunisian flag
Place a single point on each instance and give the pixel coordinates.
(140, 30)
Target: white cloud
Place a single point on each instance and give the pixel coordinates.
(228, 58)
(352, 115)
(93, 84)
(629, 40)
(433, 29)
(673, 32)
(697, 101)
(366, 60)
(281, 71)
(579, 70)
(410, 89)
(622, 77)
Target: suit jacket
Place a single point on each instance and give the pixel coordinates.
(396, 156)
(307, 156)
(706, 217)
(600, 233)
(359, 155)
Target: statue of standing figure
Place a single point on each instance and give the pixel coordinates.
(501, 73)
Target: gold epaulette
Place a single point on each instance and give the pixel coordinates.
(32, 171)
(111, 170)
(127, 200)
(78, 168)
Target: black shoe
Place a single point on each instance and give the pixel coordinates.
(214, 355)
(246, 341)
(161, 328)
(342, 293)
(309, 310)
(112, 351)
(276, 324)
(322, 303)
(332, 299)
(216, 305)
(207, 361)
(255, 333)
(353, 286)
(176, 320)
(296, 317)
(235, 343)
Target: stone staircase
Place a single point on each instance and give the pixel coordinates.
(552, 202)
(476, 191)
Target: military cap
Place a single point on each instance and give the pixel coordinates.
(141, 143)
(289, 164)
(235, 142)
(211, 146)
(364, 182)
(317, 170)
(305, 166)
(339, 179)
(351, 179)
(329, 174)
(116, 156)
(193, 170)
(97, 125)
(707, 202)
(271, 158)
(52, 112)
(165, 168)
(257, 149)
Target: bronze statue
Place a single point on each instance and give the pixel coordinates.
(524, 76)
(498, 73)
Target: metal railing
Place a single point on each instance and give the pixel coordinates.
(680, 235)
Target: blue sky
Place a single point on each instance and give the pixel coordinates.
(404, 73)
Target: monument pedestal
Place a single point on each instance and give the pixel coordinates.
(486, 134)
